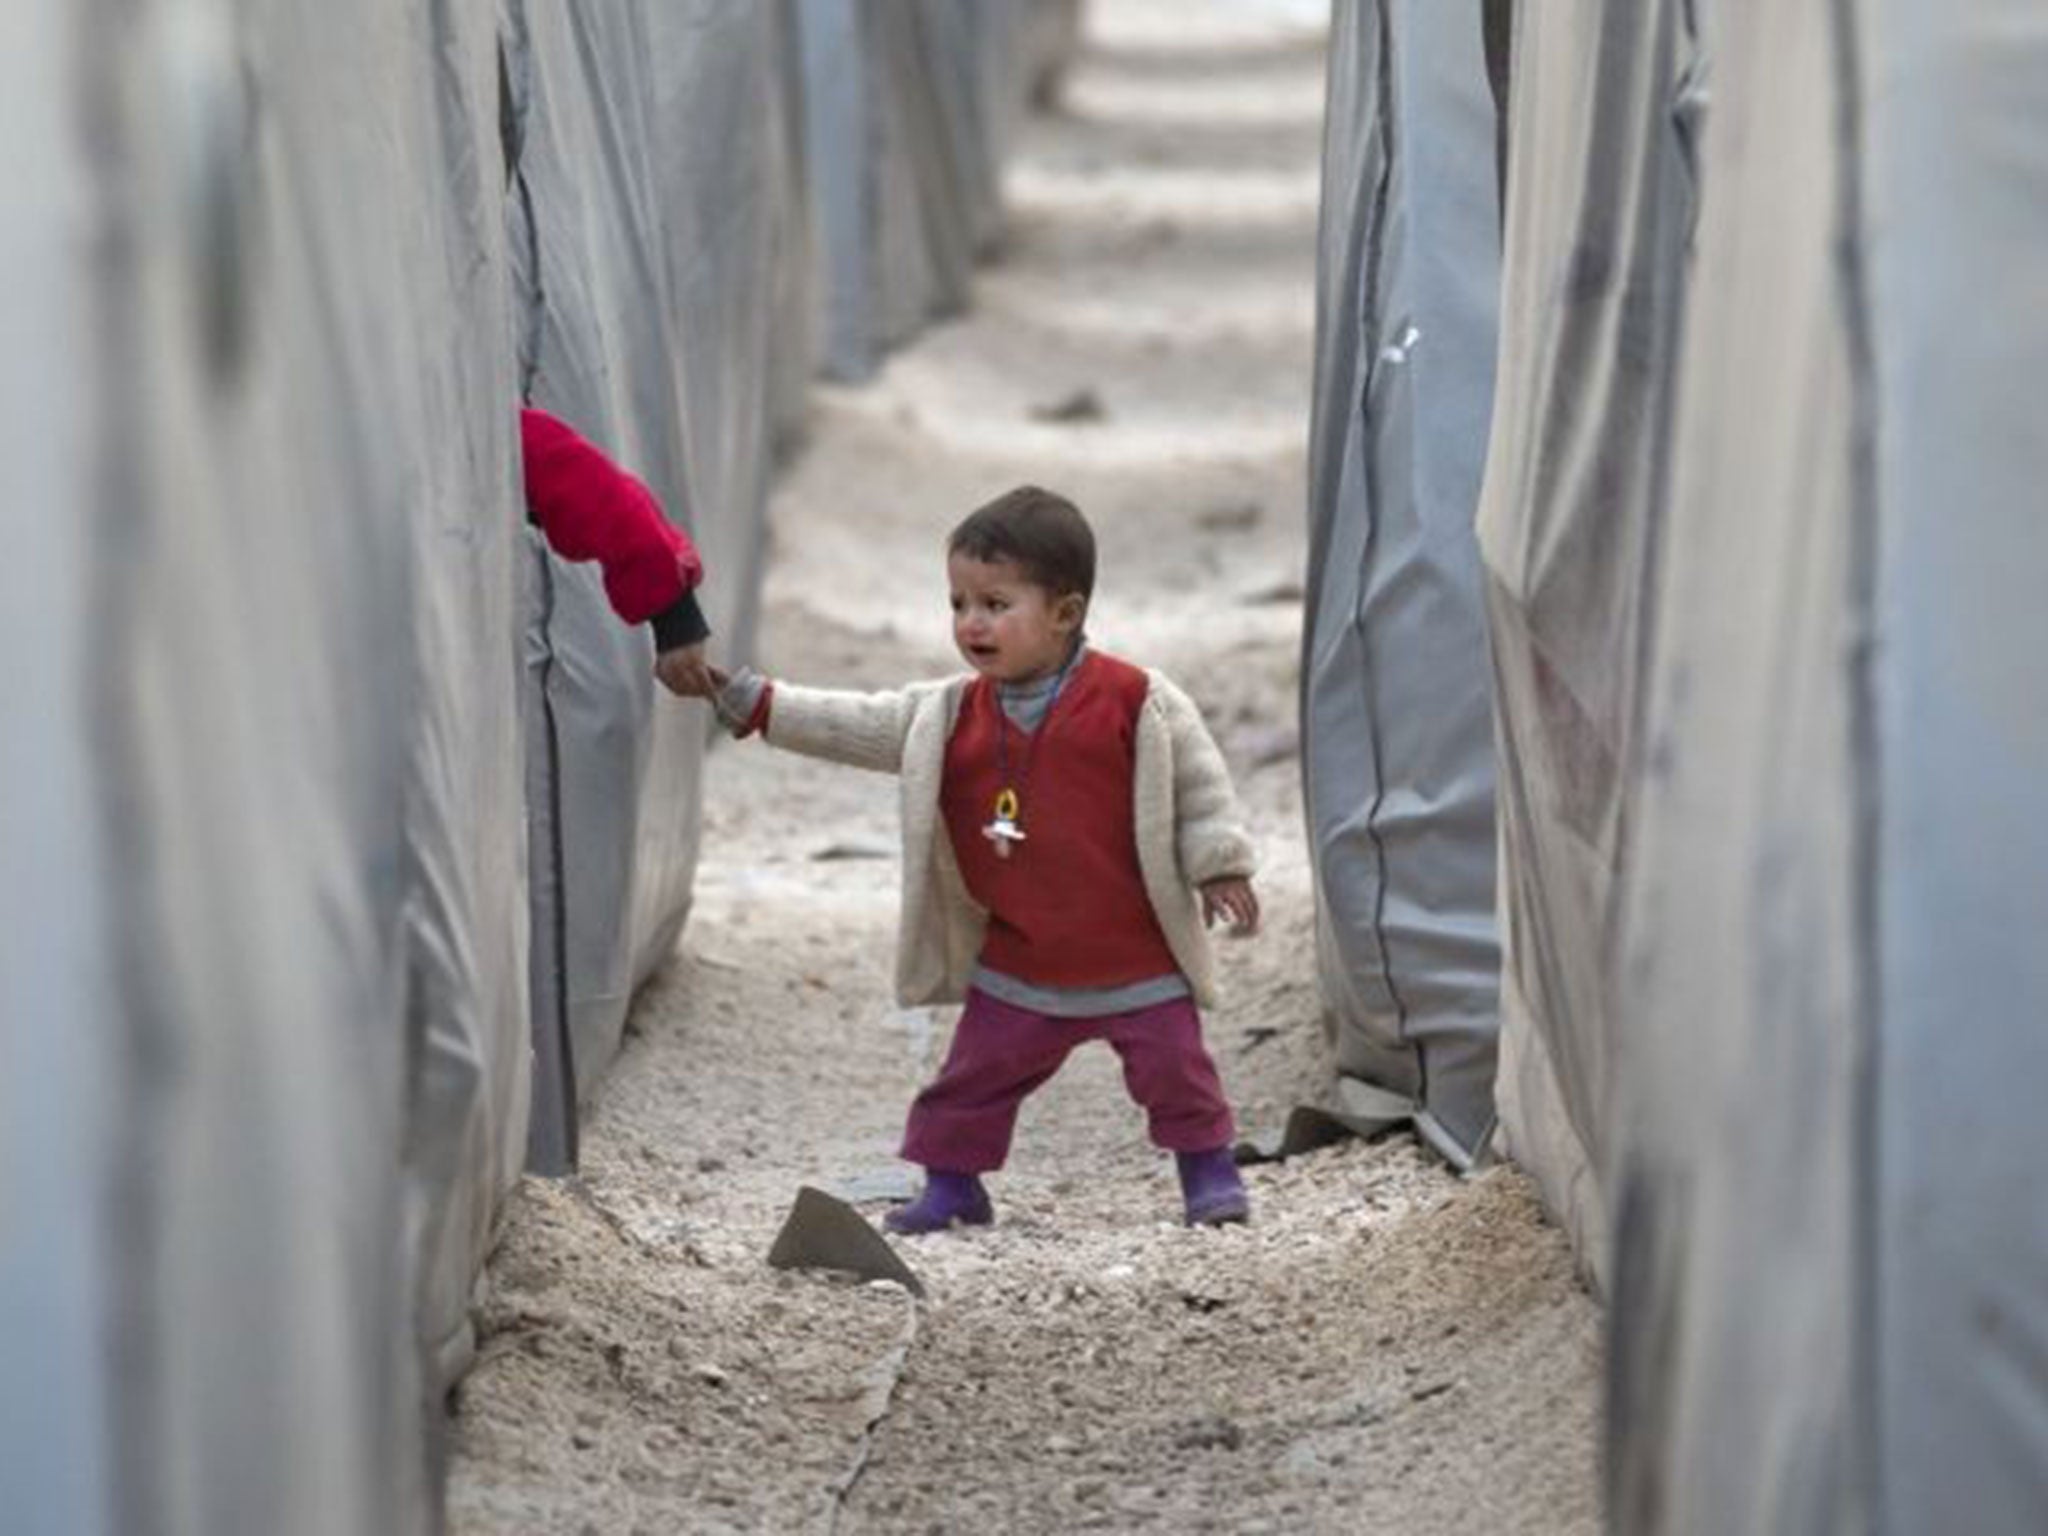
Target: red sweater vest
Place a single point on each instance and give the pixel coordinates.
(1068, 907)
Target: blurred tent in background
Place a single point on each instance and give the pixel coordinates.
(279, 276)
(911, 107)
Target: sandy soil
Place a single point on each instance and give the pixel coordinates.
(1387, 1342)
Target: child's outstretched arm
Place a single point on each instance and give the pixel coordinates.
(862, 730)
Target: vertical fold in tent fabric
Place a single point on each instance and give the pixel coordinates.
(1602, 204)
(1830, 1264)
(1396, 741)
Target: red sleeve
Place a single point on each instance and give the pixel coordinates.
(590, 509)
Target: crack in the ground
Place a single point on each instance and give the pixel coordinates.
(879, 1396)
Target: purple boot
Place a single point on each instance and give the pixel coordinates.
(948, 1200)
(1210, 1189)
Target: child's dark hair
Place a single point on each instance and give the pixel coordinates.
(1043, 533)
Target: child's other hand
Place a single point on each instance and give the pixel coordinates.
(1233, 898)
(685, 673)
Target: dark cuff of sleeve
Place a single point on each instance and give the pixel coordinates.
(680, 623)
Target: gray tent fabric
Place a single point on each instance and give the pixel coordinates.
(1396, 743)
(655, 268)
(908, 106)
(276, 936)
(1602, 206)
(61, 1059)
(669, 307)
(1831, 1287)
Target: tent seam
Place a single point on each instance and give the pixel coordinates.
(1374, 254)
(1864, 744)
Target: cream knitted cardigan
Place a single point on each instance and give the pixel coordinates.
(1190, 826)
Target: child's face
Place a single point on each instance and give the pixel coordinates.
(1008, 627)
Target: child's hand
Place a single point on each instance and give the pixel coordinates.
(685, 673)
(1231, 897)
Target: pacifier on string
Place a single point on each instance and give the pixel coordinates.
(1004, 831)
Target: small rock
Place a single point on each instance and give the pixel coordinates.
(1286, 590)
(711, 1375)
(1230, 516)
(1081, 405)
(583, 1440)
(709, 1164)
(1361, 1415)
(835, 852)
(1211, 1435)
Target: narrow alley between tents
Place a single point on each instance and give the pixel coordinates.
(1388, 1342)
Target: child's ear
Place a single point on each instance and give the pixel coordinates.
(1070, 610)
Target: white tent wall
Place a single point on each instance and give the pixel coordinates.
(657, 214)
(283, 1009)
(1397, 745)
(1831, 1267)
(1600, 207)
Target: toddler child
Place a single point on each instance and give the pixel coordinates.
(1069, 828)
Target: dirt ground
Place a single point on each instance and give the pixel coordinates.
(1387, 1345)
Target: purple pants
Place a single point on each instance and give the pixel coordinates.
(1000, 1053)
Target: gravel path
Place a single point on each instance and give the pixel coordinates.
(1387, 1342)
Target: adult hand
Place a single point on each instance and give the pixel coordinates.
(1232, 898)
(685, 673)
